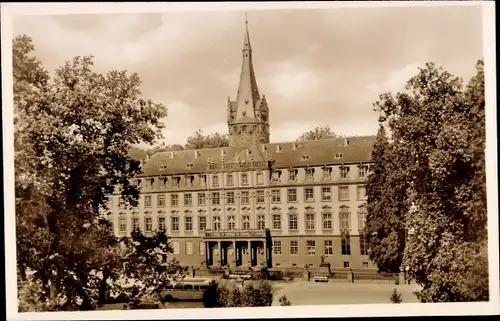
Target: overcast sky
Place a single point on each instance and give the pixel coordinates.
(316, 67)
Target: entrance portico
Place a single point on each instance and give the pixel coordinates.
(237, 247)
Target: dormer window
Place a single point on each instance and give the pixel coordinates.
(246, 101)
(327, 173)
(344, 172)
(338, 155)
(276, 176)
(137, 183)
(163, 182)
(190, 180)
(150, 183)
(305, 157)
(177, 181)
(362, 171)
(190, 165)
(163, 167)
(292, 175)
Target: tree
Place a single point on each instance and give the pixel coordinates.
(437, 134)
(396, 297)
(386, 205)
(72, 134)
(198, 140)
(145, 269)
(324, 132)
(283, 300)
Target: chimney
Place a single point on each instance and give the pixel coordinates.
(147, 159)
(172, 154)
(295, 146)
(196, 154)
(278, 148)
(249, 152)
(346, 142)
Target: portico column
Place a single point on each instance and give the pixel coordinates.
(207, 253)
(233, 259)
(248, 254)
(220, 251)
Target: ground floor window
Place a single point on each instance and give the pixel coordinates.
(363, 244)
(346, 264)
(176, 247)
(311, 247)
(328, 247)
(202, 248)
(294, 247)
(189, 248)
(277, 247)
(346, 244)
(365, 264)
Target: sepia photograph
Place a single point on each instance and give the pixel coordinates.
(174, 157)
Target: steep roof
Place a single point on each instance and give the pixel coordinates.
(284, 155)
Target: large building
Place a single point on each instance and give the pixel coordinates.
(255, 202)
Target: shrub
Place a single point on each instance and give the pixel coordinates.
(396, 297)
(284, 301)
(226, 294)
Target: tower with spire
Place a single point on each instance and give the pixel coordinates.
(248, 115)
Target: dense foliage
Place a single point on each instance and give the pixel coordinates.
(72, 134)
(198, 140)
(436, 147)
(317, 133)
(226, 294)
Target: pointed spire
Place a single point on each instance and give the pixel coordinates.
(248, 92)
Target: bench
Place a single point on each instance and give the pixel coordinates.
(320, 278)
(240, 276)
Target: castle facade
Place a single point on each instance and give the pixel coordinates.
(255, 202)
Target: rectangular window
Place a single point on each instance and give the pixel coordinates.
(326, 194)
(229, 180)
(190, 181)
(244, 179)
(309, 174)
(147, 201)
(216, 223)
(216, 198)
(137, 183)
(163, 182)
(261, 222)
(310, 221)
(276, 196)
(203, 180)
(275, 176)
(362, 171)
(311, 247)
(327, 173)
(260, 178)
(293, 222)
(292, 195)
(148, 224)
(177, 182)
(259, 196)
(162, 224)
(245, 197)
(230, 197)
(174, 200)
(188, 199)
(150, 183)
(188, 223)
(276, 222)
(277, 247)
(344, 220)
(122, 222)
(202, 221)
(294, 247)
(344, 172)
(309, 194)
(343, 193)
(292, 175)
(361, 192)
(361, 220)
(176, 247)
(328, 247)
(135, 224)
(202, 248)
(246, 222)
(231, 222)
(202, 199)
(363, 244)
(327, 221)
(189, 247)
(161, 200)
(215, 181)
(346, 244)
(175, 223)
